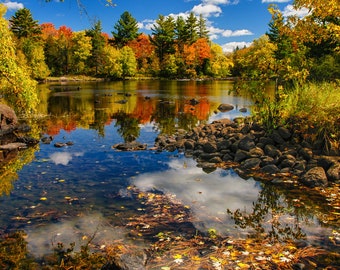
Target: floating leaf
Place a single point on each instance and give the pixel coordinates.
(43, 199)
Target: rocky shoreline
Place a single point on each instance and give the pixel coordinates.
(281, 156)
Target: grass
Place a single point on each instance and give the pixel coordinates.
(314, 110)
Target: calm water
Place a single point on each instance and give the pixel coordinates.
(60, 194)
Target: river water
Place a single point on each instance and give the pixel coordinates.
(61, 194)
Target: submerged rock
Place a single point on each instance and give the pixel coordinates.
(130, 146)
(315, 177)
(225, 107)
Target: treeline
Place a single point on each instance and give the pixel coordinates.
(175, 49)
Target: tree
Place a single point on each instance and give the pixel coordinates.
(18, 88)
(202, 28)
(35, 58)
(191, 26)
(111, 63)
(126, 30)
(220, 64)
(163, 35)
(128, 61)
(143, 50)
(81, 51)
(23, 25)
(181, 33)
(98, 44)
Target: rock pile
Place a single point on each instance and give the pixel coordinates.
(251, 150)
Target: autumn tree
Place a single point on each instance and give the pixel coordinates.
(18, 89)
(128, 62)
(220, 65)
(111, 66)
(81, 51)
(143, 50)
(126, 30)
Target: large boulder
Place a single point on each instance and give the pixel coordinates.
(8, 119)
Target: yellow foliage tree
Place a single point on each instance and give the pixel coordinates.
(17, 87)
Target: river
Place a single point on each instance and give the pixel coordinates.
(60, 194)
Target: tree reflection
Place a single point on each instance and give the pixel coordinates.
(272, 216)
(100, 119)
(127, 126)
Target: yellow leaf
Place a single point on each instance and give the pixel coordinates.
(243, 265)
(43, 199)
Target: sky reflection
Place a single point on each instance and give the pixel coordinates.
(63, 158)
(208, 195)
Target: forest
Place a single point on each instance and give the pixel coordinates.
(297, 54)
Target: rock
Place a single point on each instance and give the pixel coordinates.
(243, 110)
(215, 160)
(8, 119)
(284, 133)
(315, 177)
(59, 144)
(272, 151)
(189, 144)
(13, 146)
(333, 173)
(287, 161)
(277, 137)
(270, 169)
(225, 107)
(241, 155)
(251, 163)
(256, 152)
(210, 147)
(130, 146)
(246, 143)
(306, 153)
(47, 139)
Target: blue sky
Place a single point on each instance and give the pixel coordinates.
(230, 23)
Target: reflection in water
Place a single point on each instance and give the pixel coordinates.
(79, 231)
(63, 158)
(209, 196)
(221, 200)
(167, 104)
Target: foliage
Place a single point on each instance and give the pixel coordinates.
(16, 85)
(81, 49)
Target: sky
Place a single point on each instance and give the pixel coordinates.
(230, 23)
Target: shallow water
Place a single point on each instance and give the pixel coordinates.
(81, 189)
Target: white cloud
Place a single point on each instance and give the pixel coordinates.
(237, 33)
(207, 10)
(13, 5)
(275, 1)
(291, 11)
(231, 46)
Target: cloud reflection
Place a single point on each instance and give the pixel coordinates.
(63, 158)
(208, 195)
(43, 239)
